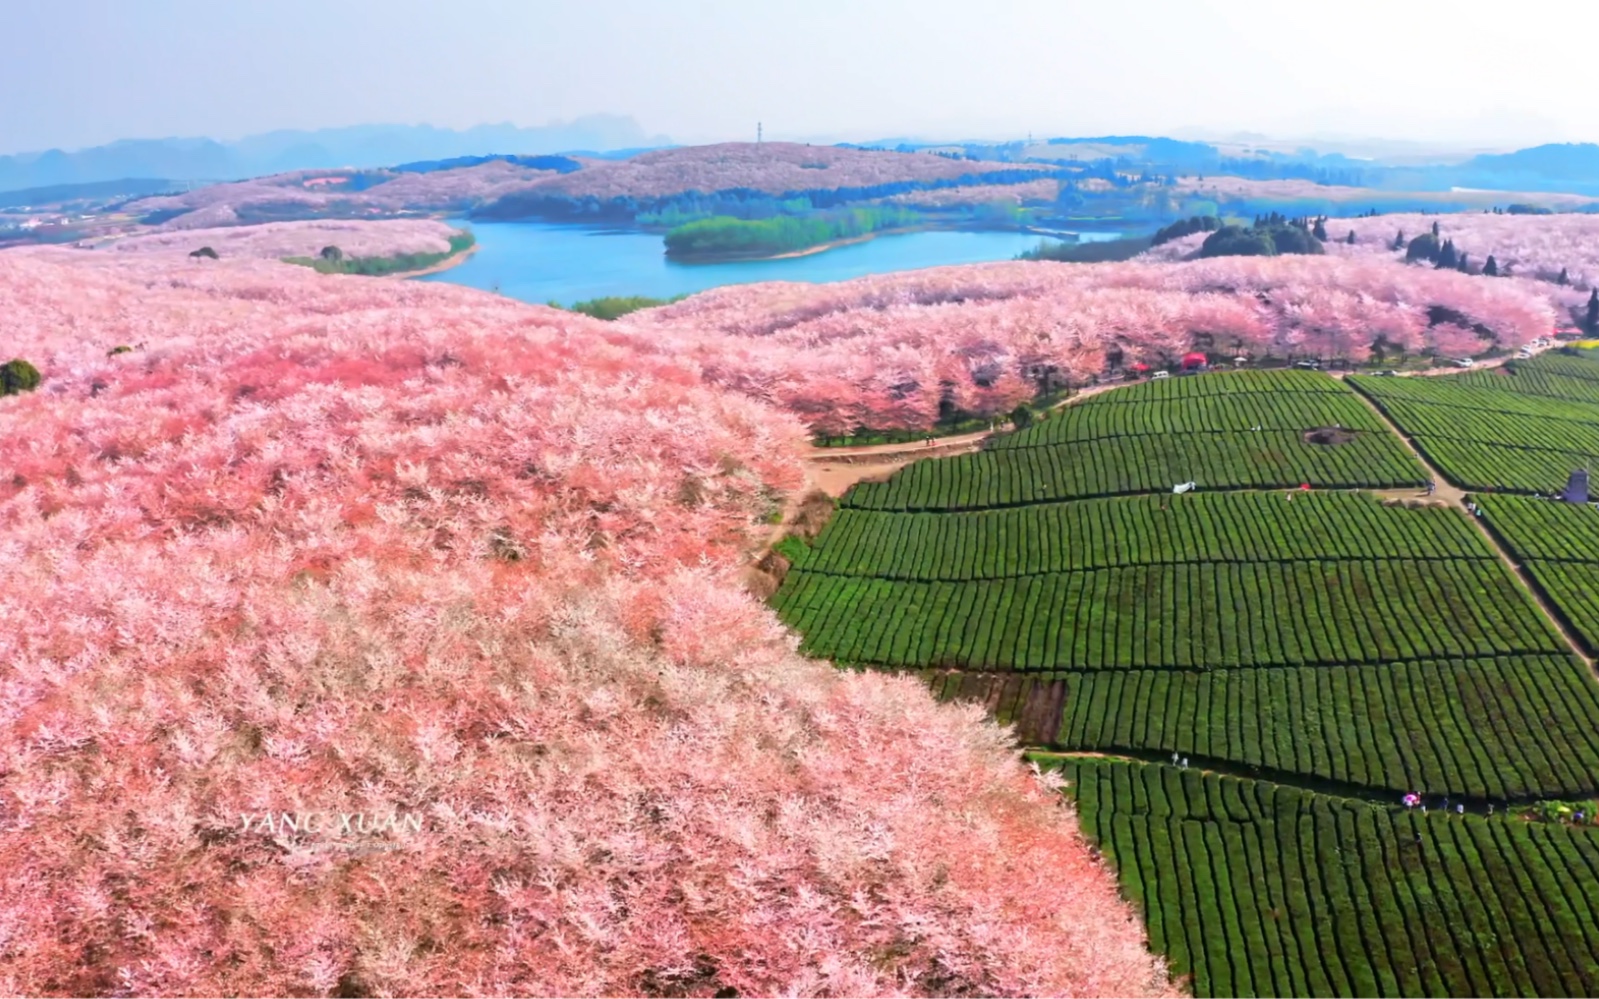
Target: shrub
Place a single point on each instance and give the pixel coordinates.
(204, 251)
(331, 253)
(617, 306)
(17, 376)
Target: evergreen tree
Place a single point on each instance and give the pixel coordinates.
(1320, 232)
(1350, 239)
(1464, 267)
(1593, 311)
(1435, 228)
(1562, 279)
(1491, 268)
(1399, 240)
(1446, 257)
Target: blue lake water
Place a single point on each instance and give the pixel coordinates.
(539, 262)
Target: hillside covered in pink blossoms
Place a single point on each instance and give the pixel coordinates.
(770, 167)
(309, 192)
(333, 545)
(1532, 246)
(885, 351)
(276, 240)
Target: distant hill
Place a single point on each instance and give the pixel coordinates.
(1569, 161)
(126, 187)
(277, 152)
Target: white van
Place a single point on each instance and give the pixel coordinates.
(1161, 374)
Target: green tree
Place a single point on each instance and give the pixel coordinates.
(1491, 268)
(1593, 311)
(332, 253)
(1423, 247)
(204, 251)
(1233, 241)
(1185, 227)
(1562, 279)
(1294, 239)
(1399, 240)
(1350, 239)
(1021, 417)
(1320, 231)
(1435, 230)
(18, 376)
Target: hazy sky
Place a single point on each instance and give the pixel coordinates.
(83, 72)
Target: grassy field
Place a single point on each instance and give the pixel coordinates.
(1310, 656)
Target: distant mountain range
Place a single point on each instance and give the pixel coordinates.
(186, 160)
(179, 163)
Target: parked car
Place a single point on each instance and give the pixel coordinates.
(1308, 365)
(1386, 374)
(1161, 374)
(1464, 362)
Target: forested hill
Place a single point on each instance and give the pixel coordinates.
(823, 176)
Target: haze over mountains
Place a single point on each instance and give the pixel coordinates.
(1568, 167)
(354, 146)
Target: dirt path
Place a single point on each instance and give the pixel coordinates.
(1454, 496)
(834, 469)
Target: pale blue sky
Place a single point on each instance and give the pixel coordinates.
(83, 72)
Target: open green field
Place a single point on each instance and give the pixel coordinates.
(1521, 429)
(1313, 656)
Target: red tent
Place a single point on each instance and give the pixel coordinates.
(1194, 360)
(1140, 366)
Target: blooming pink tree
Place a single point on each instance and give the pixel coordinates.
(373, 548)
(978, 335)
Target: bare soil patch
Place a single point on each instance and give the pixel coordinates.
(1330, 436)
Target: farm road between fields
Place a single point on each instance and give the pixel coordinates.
(834, 469)
(1454, 496)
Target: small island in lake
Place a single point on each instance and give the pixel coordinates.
(724, 237)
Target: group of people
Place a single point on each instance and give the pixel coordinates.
(1414, 800)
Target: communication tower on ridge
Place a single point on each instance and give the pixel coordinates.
(757, 133)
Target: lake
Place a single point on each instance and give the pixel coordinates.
(540, 262)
